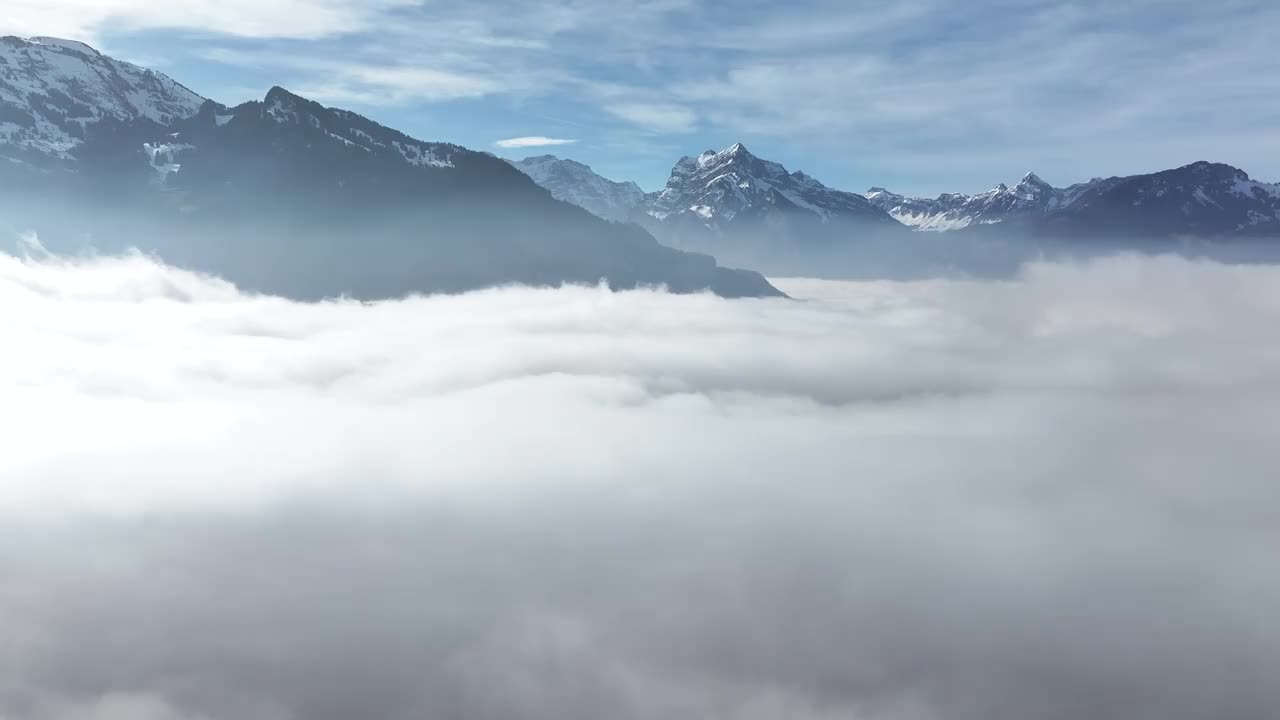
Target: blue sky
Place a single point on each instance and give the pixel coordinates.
(921, 96)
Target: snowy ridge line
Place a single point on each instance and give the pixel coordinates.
(720, 187)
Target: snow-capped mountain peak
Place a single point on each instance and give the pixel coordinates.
(736, 151)
(718, 187)
(1200, 198)
(576, 183)
(52, 90)
(1031, 193)
(72, 45)
(1032, 196)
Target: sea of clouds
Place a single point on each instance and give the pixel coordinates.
(1051, 498)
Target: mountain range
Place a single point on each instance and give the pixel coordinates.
(1031, 197)
(286, 196)
(1202, 199)
(754, 211)
(732, 204)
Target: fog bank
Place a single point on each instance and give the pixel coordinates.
(1052, 497)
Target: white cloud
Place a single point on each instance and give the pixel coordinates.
(354, 81)
(86, 19)
(392, 85)
(659, 117)
(969, 91)
(1052, 497)
(533, 141)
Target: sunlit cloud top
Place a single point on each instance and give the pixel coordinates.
(1052, 498)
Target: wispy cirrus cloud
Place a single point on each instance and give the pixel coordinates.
(922, 95)
(398, 85)
(303, 19)
(533, 141)
(655, 116)
(976, 88)
(363, 80)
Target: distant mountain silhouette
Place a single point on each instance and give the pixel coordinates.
(576, 183)
(1204, 200)
(754, 212)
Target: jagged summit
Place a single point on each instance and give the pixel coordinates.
(736, 150)
(728, 203)
(723, 186)
(732, 204)
(734, 154)
(278, 94)
(1032, 196)
(285, 106)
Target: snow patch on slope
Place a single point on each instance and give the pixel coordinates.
(1031, 197)
(163, 158)
(419, 155)
(51, 90)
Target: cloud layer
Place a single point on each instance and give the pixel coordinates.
(533, 142)
(1050, 498)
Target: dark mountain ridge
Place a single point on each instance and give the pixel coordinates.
(287, 196)
(1202, 200)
